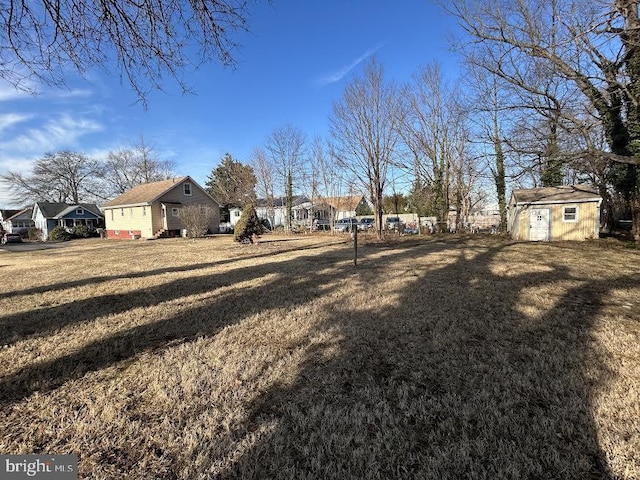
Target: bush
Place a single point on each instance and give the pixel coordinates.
(248, 227)
(80, 231)
(59, 234)
(35, 234)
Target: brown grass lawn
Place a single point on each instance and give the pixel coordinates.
(441, 358)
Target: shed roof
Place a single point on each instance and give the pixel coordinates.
(145, 193)
(562, 194)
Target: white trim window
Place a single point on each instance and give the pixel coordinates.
(174, 211)
(186, 188)
(79, 211)
(570, 214)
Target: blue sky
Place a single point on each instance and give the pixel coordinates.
(291, 68)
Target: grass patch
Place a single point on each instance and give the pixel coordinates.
(437, 357)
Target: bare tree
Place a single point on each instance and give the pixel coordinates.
(329, 178)
(286, 148)
(147, 41)
(364, 130)
(591, 47)
(57, 177)
(435, 133)
(130, 166)
(196, 219)
(265, 178)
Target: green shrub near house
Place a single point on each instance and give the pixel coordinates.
(59, 234)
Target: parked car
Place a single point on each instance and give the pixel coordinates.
(11, 238)
(345, 225)
(365, 224)
(393, 223)
(320, 224)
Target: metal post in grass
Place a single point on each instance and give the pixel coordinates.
(354, 236)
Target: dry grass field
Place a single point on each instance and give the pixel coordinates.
(435, 358)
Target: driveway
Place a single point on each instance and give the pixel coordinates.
(30, 246)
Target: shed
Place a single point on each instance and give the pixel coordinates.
(569, 212)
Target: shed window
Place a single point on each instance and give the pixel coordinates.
(569, 214)
(187, 189)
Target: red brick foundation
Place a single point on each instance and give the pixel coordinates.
(126, 234)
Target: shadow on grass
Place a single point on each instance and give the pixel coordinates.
(452, 382)
(43, 321)
(204, 320)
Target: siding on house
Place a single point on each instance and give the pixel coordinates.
(586, 224)
(148, 209)
(125, 222)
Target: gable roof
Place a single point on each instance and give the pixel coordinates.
(146, 192)
(5, 214)
(89, 207)
(562, 194)
(347, 203)
(60, 209)
(24, 214)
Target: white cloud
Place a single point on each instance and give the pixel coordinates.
(9, 119)
(339, 74)
(60, 132)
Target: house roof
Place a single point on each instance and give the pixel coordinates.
(90, 207)
(6, 214)
(146, 193)
(562, 194)
(24, 214)
(347, 203)
(59, 210)
(281, 201)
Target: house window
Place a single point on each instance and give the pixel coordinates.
(174, 211)
(122, 212)
(187, 189)
(79, 211)
(569, 214)
(236, 213)
(144, 211)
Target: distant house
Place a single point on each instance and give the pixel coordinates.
(303, 210)
(554, 213)
(20, 222)
(46, 216)
(5, 215)
(346, 207)
(151, 210)
(275, 210)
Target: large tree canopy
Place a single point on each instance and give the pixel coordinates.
(147, 40)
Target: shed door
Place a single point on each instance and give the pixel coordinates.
(539, 224)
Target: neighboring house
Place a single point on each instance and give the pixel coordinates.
(4, 216)
(47, 216)
(554, 213)
(275, 211)
(20, 222)
(345, 207)
(303, 210)
(151, 210)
